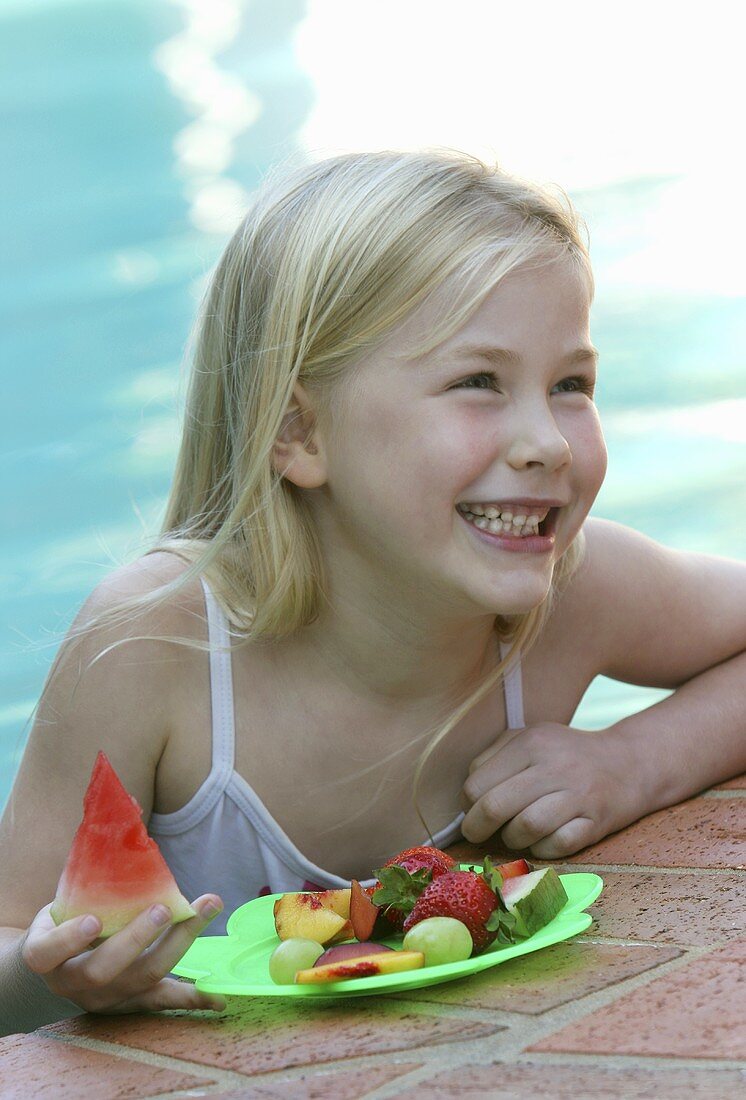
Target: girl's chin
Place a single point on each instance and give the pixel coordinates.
(514, 599)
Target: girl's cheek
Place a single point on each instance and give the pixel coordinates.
(590, 453)
(598, 443)
(466, 445)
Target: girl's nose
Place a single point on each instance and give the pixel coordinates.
(537, 439)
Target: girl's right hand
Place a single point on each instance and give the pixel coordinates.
(126, 972)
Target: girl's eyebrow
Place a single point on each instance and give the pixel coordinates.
(501, 356)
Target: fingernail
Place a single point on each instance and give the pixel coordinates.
(159, 914)
(89, 926)
(209, 910)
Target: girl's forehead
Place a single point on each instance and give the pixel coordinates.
(549, 303)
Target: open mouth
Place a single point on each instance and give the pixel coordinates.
(524, 527)
(548, 525)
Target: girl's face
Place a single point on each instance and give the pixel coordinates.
(422, 437)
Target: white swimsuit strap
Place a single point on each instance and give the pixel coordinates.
(513, 685)
(221, 687)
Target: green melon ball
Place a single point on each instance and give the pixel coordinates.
(440, 939)
(291, 956)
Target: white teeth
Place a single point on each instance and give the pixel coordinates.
(492, 512)
(497, 526)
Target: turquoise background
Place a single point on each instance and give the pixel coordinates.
(101, 269)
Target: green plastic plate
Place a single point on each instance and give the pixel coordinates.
(238, 964)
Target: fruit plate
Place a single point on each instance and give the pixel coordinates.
(238, 964)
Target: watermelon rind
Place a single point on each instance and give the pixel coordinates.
(534, 899)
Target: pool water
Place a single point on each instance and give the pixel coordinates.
(118, 190)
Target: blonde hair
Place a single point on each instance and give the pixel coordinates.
(328, 260)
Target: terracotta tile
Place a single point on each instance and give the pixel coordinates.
(703, 832)
(548, 978)
(257, 1035)
(579, 1082)
(344, 1085)
(701, 910)
(696, 1011)
(36, 1066)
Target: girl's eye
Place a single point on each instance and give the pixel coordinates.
(582, 383)
(484, 376)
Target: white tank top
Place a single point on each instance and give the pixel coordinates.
(224, 840)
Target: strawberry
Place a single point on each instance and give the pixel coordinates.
(413, 859)
(414, 869)
(460, 894)
(471, 896)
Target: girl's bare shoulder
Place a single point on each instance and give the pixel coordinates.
(650, 614)
(142, 577)
(109, 688)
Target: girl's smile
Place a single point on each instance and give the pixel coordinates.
(522, 529)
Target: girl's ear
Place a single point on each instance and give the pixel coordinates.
(297, 453)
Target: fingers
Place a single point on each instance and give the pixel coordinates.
(163, 955)
(504, 739)
(503, 765)
(501, 803)
(568, 839)
(538, 820)
(170, 993)
(102, 966)
(126, 972)
(48, 945)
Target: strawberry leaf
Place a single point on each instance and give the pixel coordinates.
(398, 888)
(493, 878)
(503, 923)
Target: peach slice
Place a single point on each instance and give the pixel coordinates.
(364, 966)
(346, 932)
(336, 900)
(303, 916)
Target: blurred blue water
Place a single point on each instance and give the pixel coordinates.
(100, 272)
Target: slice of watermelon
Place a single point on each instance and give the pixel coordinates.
(114, 869)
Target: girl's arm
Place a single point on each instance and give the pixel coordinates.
(656, 617)
(121, 705)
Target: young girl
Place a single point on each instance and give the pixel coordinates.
(377, 600)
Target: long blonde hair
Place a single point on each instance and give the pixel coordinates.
(328, 260)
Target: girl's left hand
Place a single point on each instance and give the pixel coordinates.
(558, 788)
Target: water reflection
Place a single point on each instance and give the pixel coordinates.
(224, 108)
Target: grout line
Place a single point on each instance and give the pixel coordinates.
(629, 868)
(185, 1094)
(157, 1061)
(645, 1061)
(690, 948)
